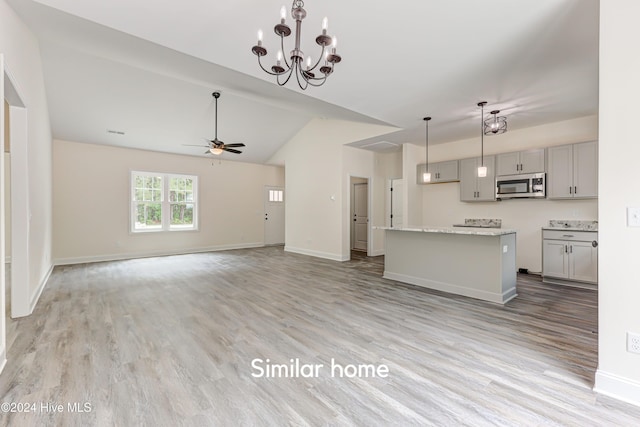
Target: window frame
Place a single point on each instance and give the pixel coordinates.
(165, 202)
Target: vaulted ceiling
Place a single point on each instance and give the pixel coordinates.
(148, 68)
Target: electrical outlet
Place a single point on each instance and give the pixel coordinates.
(633, 342)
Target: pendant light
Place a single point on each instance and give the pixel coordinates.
(495, 125)
(426, 176)
(482, 170)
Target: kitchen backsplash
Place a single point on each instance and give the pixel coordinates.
(483, 222)
(572, 223)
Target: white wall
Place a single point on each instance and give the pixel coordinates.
(619, 292)
(387, 166)
(7, 206)
(412, 155)
(317, 184)
(22, 59)
(441, 205)
(91, 203)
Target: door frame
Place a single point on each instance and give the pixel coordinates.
(265, 202)
(352, 212)
(348, 219)
(21, 302)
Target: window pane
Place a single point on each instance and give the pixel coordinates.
(148, 216)
(182, 214)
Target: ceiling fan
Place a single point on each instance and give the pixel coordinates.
(215, 146)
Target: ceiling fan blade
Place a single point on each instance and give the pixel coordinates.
(208, 152)
(235, 145)
(231, 150)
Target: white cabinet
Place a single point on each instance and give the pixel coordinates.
(573, 171)
(570, 255)
(474, 188)
(440, 172)
(531, 161)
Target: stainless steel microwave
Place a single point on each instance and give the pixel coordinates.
(521, 186)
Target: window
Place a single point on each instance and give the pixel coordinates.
(162, 202)
(276, 195)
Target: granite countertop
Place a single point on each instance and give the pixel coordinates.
(476, 231)
(572, 225)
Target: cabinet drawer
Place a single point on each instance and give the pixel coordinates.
(584, 236)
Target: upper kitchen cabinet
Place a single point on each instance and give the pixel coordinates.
(573, 171)
(530, 161)
(440, 172)
(474, 188)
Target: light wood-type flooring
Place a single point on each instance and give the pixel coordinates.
(170, 341)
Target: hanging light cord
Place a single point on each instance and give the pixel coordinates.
(481, 105)
(426, 156)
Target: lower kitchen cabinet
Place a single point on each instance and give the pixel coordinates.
(570, 255)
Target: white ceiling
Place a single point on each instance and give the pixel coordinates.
(148, 68)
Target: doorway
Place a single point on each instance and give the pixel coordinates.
(359, 214)
(273, 215)
(16, 198)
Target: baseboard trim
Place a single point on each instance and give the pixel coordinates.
(503, 298)
(617, 387)
(119, 257)
(379, 252)
(317, 254)
(36, 296)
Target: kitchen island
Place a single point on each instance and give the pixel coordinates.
(474, 262)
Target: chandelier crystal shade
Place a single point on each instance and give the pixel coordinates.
(307, 72)
(495, 125)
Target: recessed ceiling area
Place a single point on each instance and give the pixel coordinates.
(148, 69)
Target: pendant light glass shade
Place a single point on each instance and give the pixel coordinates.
(426, 176)
(217, 151)
(482, 171)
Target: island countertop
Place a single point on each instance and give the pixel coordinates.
(478, 231)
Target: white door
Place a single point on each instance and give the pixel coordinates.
(396, 212)
(273, 215)
(360, 216)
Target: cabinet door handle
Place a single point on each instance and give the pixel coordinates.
(571, 249)
(570, 190)
(575, 190)
(565, 249)
(567, 235)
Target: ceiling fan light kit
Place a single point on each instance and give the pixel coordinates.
(215, 146)
(305, 72)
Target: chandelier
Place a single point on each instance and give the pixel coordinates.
(495, 125)
(305, 72)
